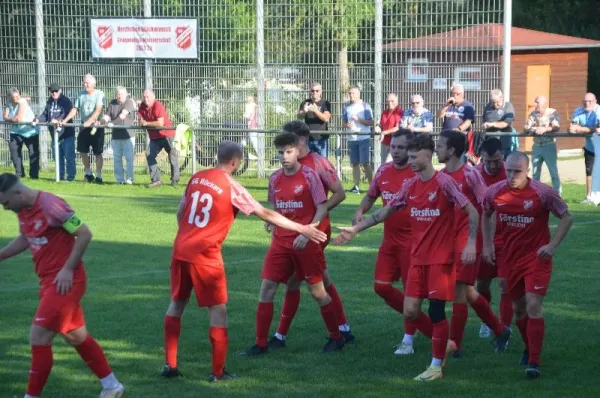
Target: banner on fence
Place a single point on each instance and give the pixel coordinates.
(166, 38)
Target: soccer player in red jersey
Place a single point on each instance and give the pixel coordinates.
(431, 197)
(297, 193)
(332, 183)
(492, 170)
(58, 240)
(393, 258)
(523, 208)
(450, 147)
(207, 210)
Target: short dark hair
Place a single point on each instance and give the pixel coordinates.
(229, 150)
(286, 139)
(519, 155)
(456, 140)
(491, 145)
(7, 181)
(404, 133)
(420, 142)
(297, 127)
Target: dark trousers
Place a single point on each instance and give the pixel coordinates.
(16, 153)
(154, 149)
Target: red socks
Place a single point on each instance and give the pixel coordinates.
(484, 312)
(535, 336)
(486, 295)
(41, 365)
(424, 325)
(392, 296)
(291, 302)
(337, 303)
(409, 327)
(93, 356)
(440, 339)
(172, 332)
(460, 313)
(506, 310)
(264, 316)
(522, 325)
(219, 342)
(331, 320)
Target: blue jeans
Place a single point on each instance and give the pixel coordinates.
(320, 146)
(66, 157)
(123, 147)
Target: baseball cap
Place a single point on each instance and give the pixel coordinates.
(53, 87)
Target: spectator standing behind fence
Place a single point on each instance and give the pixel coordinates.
(89, 103)
(585, 119)
(417, 118)
(251, 118)
(152, 113)
(498, 116)
(542, 122)
(121, 111)
(17, 110)
(358, 118)
(459, 114)
(388, 125)
(316, 112)
(57, 107)
(595, 190)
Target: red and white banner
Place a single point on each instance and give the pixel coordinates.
(144, 38)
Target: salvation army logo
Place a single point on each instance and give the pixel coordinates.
(105, 36)
(183, 37)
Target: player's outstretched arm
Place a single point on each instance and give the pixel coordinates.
(487, 230)
(347, 233)
(564, 225)
(470, 250)
(272, 217)
(365, 205)
(83, 236)
(17, 246)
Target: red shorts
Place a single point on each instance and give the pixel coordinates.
(392, 264)
(282, 262)
(489, 271)
(61, 314)
(436, 281)
(467, 273)
(206, 278)
(534, 278)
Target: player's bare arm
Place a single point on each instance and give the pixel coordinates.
(365, 205)
(272, 217)
(347, 233)
(487, 230)
(17, 246)
(338, 195)
(565, 223)
(83, 236)
(301, 241)
(470, 250)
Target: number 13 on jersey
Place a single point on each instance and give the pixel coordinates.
(200, 217)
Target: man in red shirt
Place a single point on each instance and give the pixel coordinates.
(492, 170)
(329, 178)
(393, 259)
(388, 124)
(207, 210)
(450, 148)
(431, 197)
(523, 208)
(57, 239)
(152, 113)
(297, 193)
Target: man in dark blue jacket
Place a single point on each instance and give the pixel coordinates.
(57, 107)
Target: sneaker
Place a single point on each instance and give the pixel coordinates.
(274, 343)
(533, 371)
(587, 201)
(116, 392)
(154, 184)
(129, 181)
(451, 349)
(169, 372)
(355, 189)
(226, 376)
(88, 178)
(334, 345)
(120, 182)
(99, 180)
(524, 358)
(255, 350)
(501, 341)
(174, 183)
(348, 336)
(484, 332)
(404, 349)
(432, 373)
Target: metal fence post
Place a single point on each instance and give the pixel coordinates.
(56, 156)
(378, 76)
(506, 49)
(260, 83)
(41, 76)
(193, 148)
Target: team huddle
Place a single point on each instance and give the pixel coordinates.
(446, 235)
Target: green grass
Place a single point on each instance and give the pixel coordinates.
(128, 292)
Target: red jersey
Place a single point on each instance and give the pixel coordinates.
(489, 181)
(152, 114)
(50, 243)
(523, 215)
(471, 184)
(386, 183)
(296, 197)
(389, 120)
(210, 203)
(431, 204)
